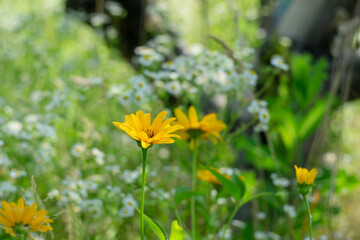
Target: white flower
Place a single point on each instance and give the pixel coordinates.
(290, 210)
(6, 188)
(250, 77)
(46, 131)
(139, 97)
(264, 116)
(129, 201)
(126, 212)
(95, 211)
(130, 176)
(115, 90)
(78, 149)
(140, 84)
(13, 128)
(173, 87)
(99, 156)
(238, 223)
(261, 215)
(54, 193)
(169, 65)
(114, 8)
(4, 160)
(99, 19)
(14, 174)
(260, 235)
(146, 60)
(1, 143)
(253, 107)
(261, 127)
(281, 182)
(91, 185)
(278, 61)
(125, 98)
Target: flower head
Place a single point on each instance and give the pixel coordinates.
(304, 176)
(23, 218)
(208, 127)
(206, 175)
(139, 127)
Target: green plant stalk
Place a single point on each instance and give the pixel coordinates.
(240, 204)
(309, 213)
(143, 193)
(193, 188)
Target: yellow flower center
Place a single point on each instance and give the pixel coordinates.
(146, 57)
(173, 87)
(138, 98)
(78, 149)
(126, 97)
(140, 85)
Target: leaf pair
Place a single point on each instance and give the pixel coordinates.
(177, 233)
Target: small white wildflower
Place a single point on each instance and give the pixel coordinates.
(6, 188)
(250, 77)
(290, 210)
(174, 88)
(129, 201)
(78, 149)
(125, 98)
(278, 61)
(260, 235)
(238, 223)
(14, 173)
(261, 215)
(114, 8)
(13, 128)
(126, 212)
(261, 127)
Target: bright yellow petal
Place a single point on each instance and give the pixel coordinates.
(193, 117)
(181, 117)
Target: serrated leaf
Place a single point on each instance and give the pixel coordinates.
(159, 232)
(229, 186)
(177, 233)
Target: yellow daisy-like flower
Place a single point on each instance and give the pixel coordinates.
(206, 175)
(304, 176)
(208, 127)
(139, 127)
(14, 215)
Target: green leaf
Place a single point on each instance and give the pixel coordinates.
(229, 186)
(160, 233)
(183, 193)
(241, 185)
(312, 119)
(177, 233)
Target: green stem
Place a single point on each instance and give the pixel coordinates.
(240, 204)
(193, 188)
(309, 213)
(143, 193)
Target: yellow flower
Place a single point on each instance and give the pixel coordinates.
(206, 175)
(139, 127)
(14, 215)
(208, 127)
(304, 176)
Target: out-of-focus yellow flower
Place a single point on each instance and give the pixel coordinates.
(14, 215)
(304, 176)
(208, 127)
(139, 127)
(206, 175)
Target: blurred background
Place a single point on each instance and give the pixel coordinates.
(72, 53)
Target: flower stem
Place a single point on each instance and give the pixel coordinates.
(309, 213)
(193, 188)
(143, 193)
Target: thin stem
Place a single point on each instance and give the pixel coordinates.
(236, 209)
(309, 213)
(240, 204)
(193, 188)
(143, 193)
